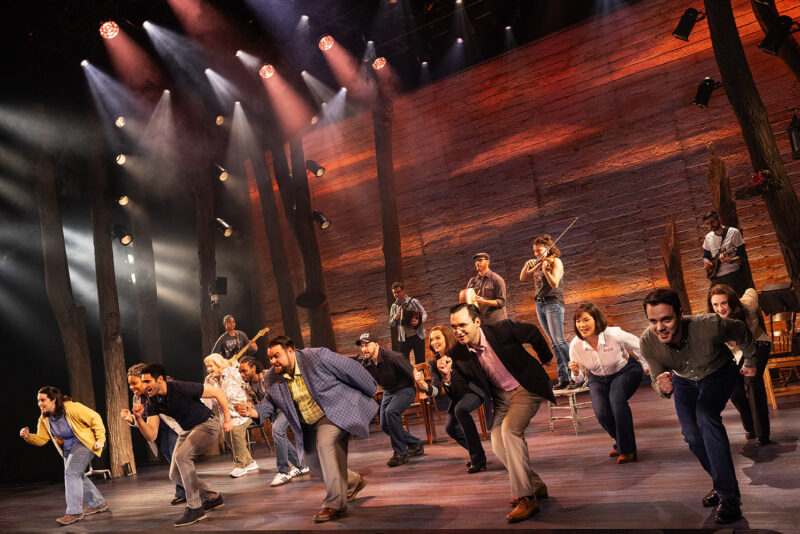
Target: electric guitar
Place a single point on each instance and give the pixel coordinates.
(711, 270)
(235, 358)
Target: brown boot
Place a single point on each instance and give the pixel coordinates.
(525, 508)
(541, 494)
(627, 458)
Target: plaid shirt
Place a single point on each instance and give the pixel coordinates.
(309, 410)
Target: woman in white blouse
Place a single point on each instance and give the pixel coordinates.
(221, 374)
(604, 353)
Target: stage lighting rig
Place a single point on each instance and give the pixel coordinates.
(704, 91)
(687, 22)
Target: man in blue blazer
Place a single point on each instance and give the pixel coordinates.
(517, 383)
(326, 397)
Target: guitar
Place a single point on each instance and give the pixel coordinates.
(711, 270)
(235, 358)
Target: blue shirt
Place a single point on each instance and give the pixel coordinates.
(61, 429)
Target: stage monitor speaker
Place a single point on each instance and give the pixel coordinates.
(221, 285)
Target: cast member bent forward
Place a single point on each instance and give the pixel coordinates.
(326, 397)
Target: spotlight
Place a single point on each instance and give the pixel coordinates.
(304, 18)
(379, 63)
(314, 168)
(459, 40)
(794, 136)
(424, 64)
(238, 53)
(121, 233)
(266, 71)
(508, 28)
(704, 91)
(84, 63)
(121, 159)
(224, 228)
(326, 42)
(120, 122)
(220, 120)
(685, 25)
(109, 29)
(314, 119)
(778, 34)
(320, 219)
(223, 174)
(123, 200)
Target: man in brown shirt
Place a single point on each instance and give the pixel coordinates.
(490, 289)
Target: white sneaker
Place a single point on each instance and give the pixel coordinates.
(280, 479)
(238, 472)
(298, 472)
(252, 467)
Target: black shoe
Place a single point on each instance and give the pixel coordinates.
(764, 441)
(728, 511)
(419, 450)
(212, 504)
(397, 459)
(561, 384)
(711, 499)
(191, 515)
(750, 435)
(177, 500)
(477, 467)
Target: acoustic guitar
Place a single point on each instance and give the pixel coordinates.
(711, 270)
(235, 359)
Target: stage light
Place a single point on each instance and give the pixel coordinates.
(109, 29)
(314, 168)
(123, 200)
(777, 35)
(120, 122)
(266, 71)
(685, 25)
(460, 40)
(304, 18)
(84, 63)
(320, 219)
(238, 53)
(326, 42)
(424, 64)
(379, 63)
(224, 175)
(121, 159)
(508, 28)
(794, 136)
(121, 233)
(224, 228)
(314, 119)
(704, 91)
(220, 120)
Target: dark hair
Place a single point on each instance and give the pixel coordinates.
(54, 394)
(284, 341)
(252, 362)
(398, 284)
(735, 305)
(545, 240)
(449, 339)
(137, 370)
(710, 215)
(225, 319)
(155, 370)
(600, 321)
(663, 296)
(474, 311)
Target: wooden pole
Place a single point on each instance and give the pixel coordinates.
(672, 263)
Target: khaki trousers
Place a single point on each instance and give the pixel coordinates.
(513, 411)
(237, 441)
(325, 452)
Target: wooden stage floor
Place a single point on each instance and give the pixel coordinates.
(588, 491)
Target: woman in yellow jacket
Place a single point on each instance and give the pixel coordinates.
(77, 432)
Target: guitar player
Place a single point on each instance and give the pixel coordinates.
(723, 254)
(407, 314)
(232, 341)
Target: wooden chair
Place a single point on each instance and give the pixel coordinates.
(419, 411)
(786, 380)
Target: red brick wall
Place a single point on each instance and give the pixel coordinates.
(594, 121)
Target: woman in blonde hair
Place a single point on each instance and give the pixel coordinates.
(221, 374)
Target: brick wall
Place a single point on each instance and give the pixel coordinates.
(594, 121)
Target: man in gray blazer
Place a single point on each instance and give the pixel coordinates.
(326, 397)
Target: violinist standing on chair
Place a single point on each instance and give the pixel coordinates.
(490, 290)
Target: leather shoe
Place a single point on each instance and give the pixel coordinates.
(728, 511)
(525, 508)
(561, 384)
(627, 458)
(351, 495)
(541, 494)
(711, 499)
(613, 454)
(328, 514)
(764, 441)
(476, 467)
(397, 459)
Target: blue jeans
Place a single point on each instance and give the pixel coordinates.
(391, 419)
(285, 453)
(551, 317)
(166, 444)
(77, 488)
(610, 396)
(460, 426)
(699, 406)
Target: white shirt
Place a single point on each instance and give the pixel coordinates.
(714, 243)
(610, 356)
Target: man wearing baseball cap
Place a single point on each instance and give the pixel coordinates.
(394, 373)
(490, 289)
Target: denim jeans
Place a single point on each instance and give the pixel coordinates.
(551, 317)
(699, 406)
(610, 396)
(166, 444)
(285, 453)
(460, 426)
(391, 418)
(77, 488)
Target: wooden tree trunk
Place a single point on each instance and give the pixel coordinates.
(767, 17)
(296, 199)
(781, 201)
(70, 317)
(392, 248)
(277, 249)
(119, 436)
(723, 201)
(673, 266)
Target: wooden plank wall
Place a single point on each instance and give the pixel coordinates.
(594, 121)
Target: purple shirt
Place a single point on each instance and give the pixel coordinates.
(496, 372)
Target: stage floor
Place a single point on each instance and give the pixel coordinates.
(588, 490)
